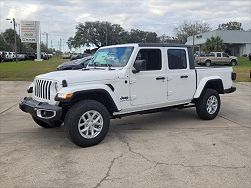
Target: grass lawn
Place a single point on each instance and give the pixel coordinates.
(243, 69)
(27, 70)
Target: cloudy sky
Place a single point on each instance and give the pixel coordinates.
(59, 17)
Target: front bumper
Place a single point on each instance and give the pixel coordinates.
(230, 90)
(41, 110)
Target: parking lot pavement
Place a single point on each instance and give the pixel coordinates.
(168, 149)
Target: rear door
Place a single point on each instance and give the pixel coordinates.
(225, 58)
(218, 59)
(181, 83)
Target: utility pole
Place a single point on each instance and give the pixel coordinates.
(193, 36)
(60, 43)
(46, 39)
(15, 38)
(194, 33)
(19, 38)
(38, 28)
(106, 42)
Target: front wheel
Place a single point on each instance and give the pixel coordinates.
(208, 105)
(87, 123)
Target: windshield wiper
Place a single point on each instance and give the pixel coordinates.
(94, 64)
(109, 66)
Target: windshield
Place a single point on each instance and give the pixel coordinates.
(115, 57)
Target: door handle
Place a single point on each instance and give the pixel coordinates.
(160, 78)
(184, 76)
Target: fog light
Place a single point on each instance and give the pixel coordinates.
(46, 114)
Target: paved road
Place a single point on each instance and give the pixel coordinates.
(167, 149)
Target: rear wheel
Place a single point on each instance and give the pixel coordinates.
(208, 63)
(87, 123)
(41, 123)
(208, 105)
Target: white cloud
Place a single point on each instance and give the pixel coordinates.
(59, 17)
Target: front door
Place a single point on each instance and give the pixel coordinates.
(149, 86)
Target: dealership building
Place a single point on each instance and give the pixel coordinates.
(237, 42)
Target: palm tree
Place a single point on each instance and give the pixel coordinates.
(214, 44)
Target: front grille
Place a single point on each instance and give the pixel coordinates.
(43, 89)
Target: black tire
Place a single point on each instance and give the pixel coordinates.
(208, 63)
(201, 104)
(233, 63)
(73, 117)
(47, 125)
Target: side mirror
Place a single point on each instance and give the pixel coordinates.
(138, 66)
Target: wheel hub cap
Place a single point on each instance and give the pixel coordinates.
(90, 124)
(212, 104)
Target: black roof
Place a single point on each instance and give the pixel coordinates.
(162, 45)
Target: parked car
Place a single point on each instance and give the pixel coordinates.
(9, 56)
(77, 56)
(50, 55)
(75, 64)
(30, 56)
(123, 80)
(44, 56)
(216, 58)
(66, 55)
(1, 56)
(21, 56)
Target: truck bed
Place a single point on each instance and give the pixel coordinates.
(215, 73)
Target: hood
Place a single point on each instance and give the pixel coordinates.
(76, 76)
(233, 57)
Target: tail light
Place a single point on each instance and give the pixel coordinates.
(233, 76)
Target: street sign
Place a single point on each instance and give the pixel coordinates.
(29, 31)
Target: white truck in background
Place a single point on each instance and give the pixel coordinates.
(122, 80)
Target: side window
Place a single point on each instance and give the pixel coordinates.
(177, 59)
(218, 54)
(152, 58)
(224, 55)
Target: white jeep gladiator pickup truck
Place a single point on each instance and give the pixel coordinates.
(122, 80)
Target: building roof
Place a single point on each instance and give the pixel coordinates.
(228, 36)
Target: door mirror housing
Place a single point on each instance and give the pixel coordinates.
(138, 66)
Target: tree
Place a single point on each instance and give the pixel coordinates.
(167, 39)
(7, 41)
(98, 34)
(104, 33)
(187, 29)
(3, 44)
(230, 26)
(138, 36)
(214, 44)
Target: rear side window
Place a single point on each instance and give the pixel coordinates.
(218, 54)
(177, 59)
(152, 58)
